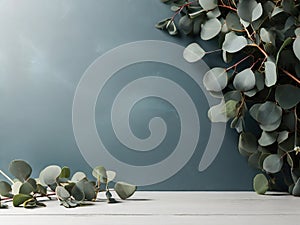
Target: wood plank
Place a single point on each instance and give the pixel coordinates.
(169, 208)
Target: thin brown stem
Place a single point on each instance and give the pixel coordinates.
(290, 75)
(260, 49)
(236, 64)
(228, 7)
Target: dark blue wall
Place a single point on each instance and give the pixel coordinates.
(45, 48)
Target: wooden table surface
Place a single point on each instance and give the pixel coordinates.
(182, 208)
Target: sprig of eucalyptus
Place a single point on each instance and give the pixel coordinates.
(260, 44)
(56, 181)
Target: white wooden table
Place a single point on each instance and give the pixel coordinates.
(241, 208)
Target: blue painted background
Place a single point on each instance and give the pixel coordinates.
(46, 46)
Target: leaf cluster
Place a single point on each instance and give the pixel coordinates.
(260, 45)
(57, 181)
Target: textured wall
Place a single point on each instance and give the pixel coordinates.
(47, 46)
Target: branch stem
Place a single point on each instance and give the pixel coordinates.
(7, 177)
(290, 75)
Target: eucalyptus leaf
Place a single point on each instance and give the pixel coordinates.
(62, 193)
(186, 24)
(19, 199)
(231, 107)
(49, 175)
(213, 13)
(233, 22)
(5, 188)
(208, 5)
(287, 96)
(282, 136)
(270, 73)
(268, 113)
(193, 53)
(88, 189)
(296, 47)
(273, 163)
(99, 172)
(210, 29)
(27, 188)
(244, 80)
(249, 10)
(125, 190)
(260, 184)
(215, 79)
(20, 169)
(217, 113)
(65, 172)
(78, 176)
(111, 175)
(234, 43)
(267, 138)
(77, 193)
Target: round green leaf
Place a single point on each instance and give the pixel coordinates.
(19, 199)
(267, 138)
(247, 144)
(208, 5)
(185, 24)
(77, 193)
(193, 53)
(231, 107)
(99, 173)
(124, 190)
(249, 10)
(260, 184)
(28, 187)
(210, 29)
(78, 176)
(213, 13)
(65, 172)
(244, 80)
(215, 79)
(89, 191)
(270, 73)
(273, 163)
(111, 175)
(62, 193)
(20, 169)
(5, 188)
(282, 136)
(49, 175)
(217, 113)
(287, 96)
(268, 113)
(233, 22)
(233, 43)
(270, 127)
(296, 47)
